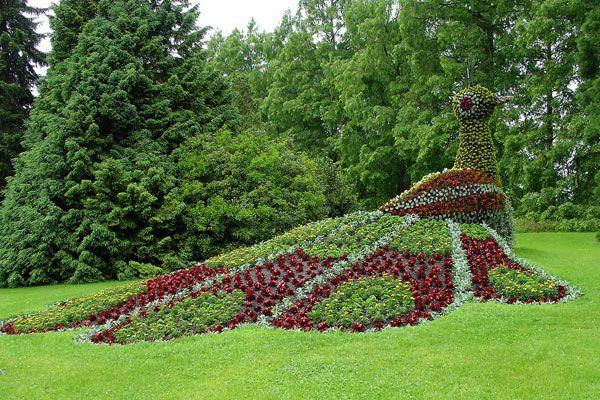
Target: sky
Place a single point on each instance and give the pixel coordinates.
(224, 15)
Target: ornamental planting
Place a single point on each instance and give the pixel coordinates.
(443, 242)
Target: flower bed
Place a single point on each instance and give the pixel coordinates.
(73, 312)
(521, 284)
(349, 239)
(426, 236)
(199, 313)
(262, 287)
(430, 280)
(299, 237)
(370, 271)
(475, 231)
(108, 304)
(465, 196)
(364, 302)
(486, 255)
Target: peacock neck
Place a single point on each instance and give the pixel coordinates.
(476, 148)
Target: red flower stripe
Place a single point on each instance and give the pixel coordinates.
(430, 279)
(485, 254)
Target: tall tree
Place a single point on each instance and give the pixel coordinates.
(585, 160)
(547, 144)
(18, 58)
(85, 201)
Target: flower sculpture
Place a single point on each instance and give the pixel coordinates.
(471, 191)
(438, 245)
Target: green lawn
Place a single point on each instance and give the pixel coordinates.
(481, 351)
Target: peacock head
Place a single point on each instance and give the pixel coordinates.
(476, 104)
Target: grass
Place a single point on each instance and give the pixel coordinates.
(481, 351)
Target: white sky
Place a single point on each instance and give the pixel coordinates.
(224, 15)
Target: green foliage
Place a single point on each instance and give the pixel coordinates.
(565, 225)
(522, 285)
(89, 191)
(350, 240)
(368, 83)
(189, 316)
(76, 309)
(539, 212)
(474, 231)
(427, 236)
(365, 301)
(299, 236)
(18, 58)
(241, 189)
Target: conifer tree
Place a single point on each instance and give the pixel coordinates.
(124, 90)
(18, 57)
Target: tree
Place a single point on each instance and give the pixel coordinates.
(242, 189)
(242, 57)
(587, 125)
(85, 201)
(18, 58)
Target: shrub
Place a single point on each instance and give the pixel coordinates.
(521, 284)
(242, 189)
(567, 225)
(366, 301)
(90, 189)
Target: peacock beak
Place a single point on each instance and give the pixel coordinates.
(503, 99)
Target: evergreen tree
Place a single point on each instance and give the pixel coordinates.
(119, 99)
(587, 126)
(18, 57)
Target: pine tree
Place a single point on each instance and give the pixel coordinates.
(18, 57)
(119, 99)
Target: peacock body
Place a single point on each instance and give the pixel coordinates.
(445, 241)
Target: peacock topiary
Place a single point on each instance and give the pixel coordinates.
(443, 242)
(471, 191)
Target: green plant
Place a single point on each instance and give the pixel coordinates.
(365, 301)
(350, 239)
(296, 237)
(189, 316)
(427, 236)
(521, 284)
(474, 231)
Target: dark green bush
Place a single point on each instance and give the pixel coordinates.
(241, 189)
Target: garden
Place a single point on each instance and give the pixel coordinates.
(186, 213)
